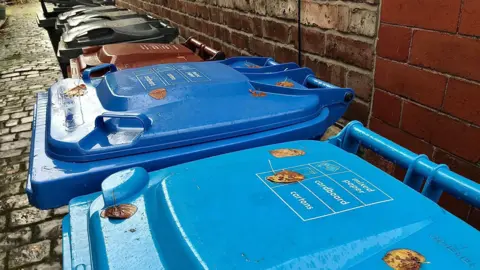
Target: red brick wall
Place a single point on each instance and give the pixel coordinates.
(427, 85)
(338, 37)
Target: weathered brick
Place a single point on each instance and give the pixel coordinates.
(11, 75)
(470, 20)
(457, 164)
(461, 100)
(462, 139)
(378, 161)
(17, 177)
(202, 12)
(23, 69)
(343, 18)
(431, 14)
(455, 206)
(3, 256)
(194, 23)
(44, 266)
(387, 107)
(233, 19)
(283, 9)
(313, 40)
(336, 75)
(319, 14)
(16, 238)
(28, 119)
(3, 224)
(285, 54)
(12, 110)
(452, 54)
(260, 6)
(60, 211)
(225, 3)
(216, 14)
(394, 42)
(357, 110)
(10, 189)
(7, 138)
(14, 145)
(11, 122)
(331, 131)
(222, 33)
(28, 216)
(331, 73)
(19, 78)
(361, 83)
(401, 137)
(363, 22)
(178, 18)
(10, 169)
(57, 250)
(29, 254)
(420, 85)
(350, 51)
(30, 72)
(257, 26)
(49, 230)
(319, 67)
(239, 40)
(13, 202)
(275, 30)
(22, 127)
(11, 153)
(4, 117)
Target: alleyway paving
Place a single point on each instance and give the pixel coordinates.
(29, 238)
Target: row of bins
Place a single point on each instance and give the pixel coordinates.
(73, 32)
(162, 115)
(170, 161)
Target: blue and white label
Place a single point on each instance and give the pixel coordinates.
(194, 75)
(304, 202)
(150, 81)
(173, 77)
(329, 188)
(163, 75)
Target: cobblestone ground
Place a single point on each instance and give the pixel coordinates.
(29, 238)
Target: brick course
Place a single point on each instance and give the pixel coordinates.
(428, 60)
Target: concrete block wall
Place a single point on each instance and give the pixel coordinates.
(338, 37)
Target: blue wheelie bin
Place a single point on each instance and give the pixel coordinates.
(163, 115)
(294, 205)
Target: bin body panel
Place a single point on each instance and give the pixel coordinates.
(222, 212)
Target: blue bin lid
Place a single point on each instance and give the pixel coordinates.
(172, 105)
(224, 213)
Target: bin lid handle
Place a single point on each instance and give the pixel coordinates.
(86, 75)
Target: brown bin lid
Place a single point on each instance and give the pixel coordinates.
(133, 55)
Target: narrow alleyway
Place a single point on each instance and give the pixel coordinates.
(29, 238)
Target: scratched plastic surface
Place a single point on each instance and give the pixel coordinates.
(209, 109)
(222, 213)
